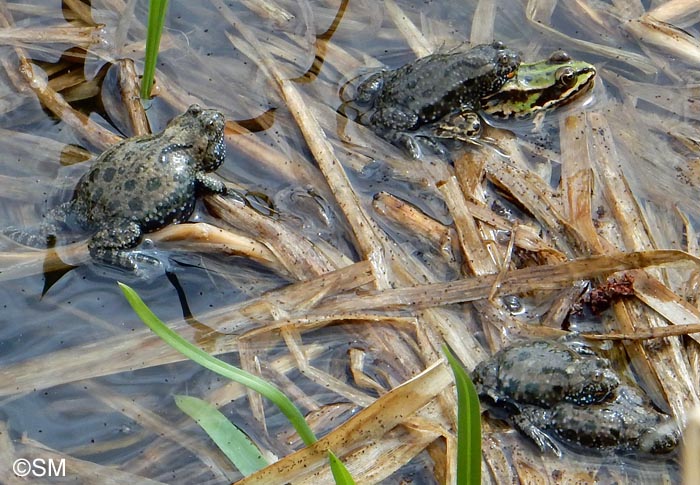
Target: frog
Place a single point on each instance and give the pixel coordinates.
(544, 372)
(435, 96)
(540, 86)
(561, 389)
(625, 423)
(138, 186)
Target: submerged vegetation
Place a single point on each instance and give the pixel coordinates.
(156, 20)
(342, 283)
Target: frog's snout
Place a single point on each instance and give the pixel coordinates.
(661, 439)
(214, 122)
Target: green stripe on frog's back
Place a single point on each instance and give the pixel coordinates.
(540, 86)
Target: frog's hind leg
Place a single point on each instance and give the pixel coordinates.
(44, 235)
(524, 423)
(111, 246)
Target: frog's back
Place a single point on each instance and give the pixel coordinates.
(142, 180)
(443, 83)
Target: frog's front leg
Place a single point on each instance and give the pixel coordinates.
(528, 422)
(111, 244)
(391, 119)
(207, 184)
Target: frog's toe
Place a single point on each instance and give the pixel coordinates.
(434, 145)
(411, 145)
(34, 239)
(543, 441)
(139, 264)
(660, 439)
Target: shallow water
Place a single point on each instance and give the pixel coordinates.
(215, 54)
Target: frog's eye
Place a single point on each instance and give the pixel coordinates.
(503, 59)
(566, 76)
(497, 44)
(559, 57)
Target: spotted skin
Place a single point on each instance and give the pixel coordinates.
(626, 422)
(545, 372)
(561, 390)
(140, 185)
(405, 102)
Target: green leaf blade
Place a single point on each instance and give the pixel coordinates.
(341, 475)
(196, 354)
(156, 20)
(228, 437)
(468, 425)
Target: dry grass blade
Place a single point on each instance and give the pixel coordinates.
(234, 318)
(691, 448)
(82, 470)
(668, 304)
(549, 277)
(207, 238)
(199, 237)
(418, 43)
(299, 255)
(129, 87)
(83, 36)
(476, 253)
(416, 222)
(216, 463)
(384, 414)
(676, 11)
(541, 23)
(666, 37)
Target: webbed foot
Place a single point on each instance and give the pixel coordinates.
(112, 246)
(525, 423)
(44, 235)
(30, 237)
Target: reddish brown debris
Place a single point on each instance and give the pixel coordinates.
(601, 297)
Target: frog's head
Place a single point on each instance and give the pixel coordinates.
(494, 65)
(660, 439)
(591, 380)
(541, 85)
(205, 129)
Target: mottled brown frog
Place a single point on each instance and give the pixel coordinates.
(140, 185)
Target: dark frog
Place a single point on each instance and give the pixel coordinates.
(625, 422)
(435, 96)
(564, 389)
(140, 185)
(545, 372)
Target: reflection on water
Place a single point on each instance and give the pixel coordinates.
(636, 134)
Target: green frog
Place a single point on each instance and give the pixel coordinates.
(540, 86)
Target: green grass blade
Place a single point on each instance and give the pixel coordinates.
(468, 425)
(341, 475)
(231, 441)
(222, 368)
(156, 20)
